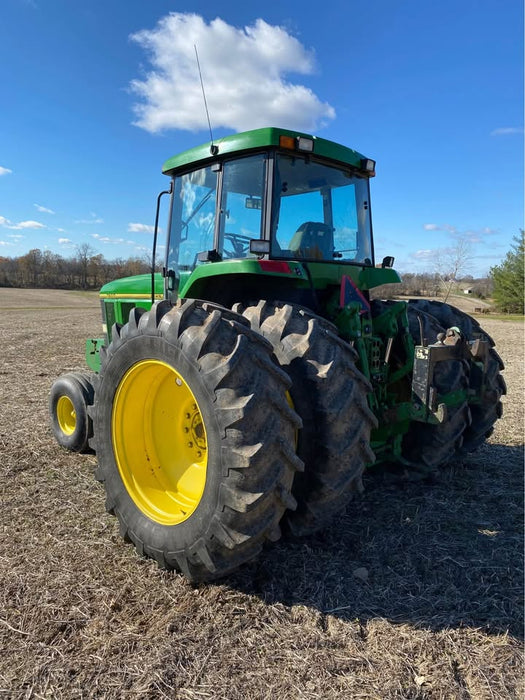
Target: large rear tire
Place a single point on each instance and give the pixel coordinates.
(489, 409)
(428, 445)
(330, 395)
(432, 445)
(194, 437)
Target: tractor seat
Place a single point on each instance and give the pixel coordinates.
(313, 240)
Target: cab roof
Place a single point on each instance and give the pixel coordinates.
(260, 139)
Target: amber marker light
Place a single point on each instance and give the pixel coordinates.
(287, 142)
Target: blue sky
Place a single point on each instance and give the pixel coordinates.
(97, 95)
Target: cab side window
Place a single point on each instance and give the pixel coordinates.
(241, 212)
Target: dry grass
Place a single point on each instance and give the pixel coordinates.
(415, 593)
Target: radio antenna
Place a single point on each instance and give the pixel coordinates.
(213, 148)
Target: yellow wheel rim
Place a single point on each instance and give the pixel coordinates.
(159, 442)
(66, 415)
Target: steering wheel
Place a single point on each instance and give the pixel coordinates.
(235, 246)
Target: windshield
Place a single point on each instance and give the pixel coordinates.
(320, 212)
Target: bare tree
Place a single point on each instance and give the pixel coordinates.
(84, 253)
(452, 263)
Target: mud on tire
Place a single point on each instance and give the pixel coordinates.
(238, 425)
(330, 395)
(485, 413)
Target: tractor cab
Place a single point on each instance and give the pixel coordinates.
(267, 194)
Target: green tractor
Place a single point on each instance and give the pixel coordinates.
(244, 390)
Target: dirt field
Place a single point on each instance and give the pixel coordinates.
(416, 593)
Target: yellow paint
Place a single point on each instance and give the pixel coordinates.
(66, 415)
(159, 442)
(130, 296)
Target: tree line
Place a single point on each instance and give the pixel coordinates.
(87, 270)
(83, 270)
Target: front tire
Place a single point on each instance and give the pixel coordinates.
(194, 437)
(70, 398)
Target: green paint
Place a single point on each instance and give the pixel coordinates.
(93, 346)
(258, 139)
(137, 285)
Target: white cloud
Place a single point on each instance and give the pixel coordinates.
(15, 236)
(43, 210)
(140, 228)
(423, 254)
(64, 240)
(5, 171)
(440, 227)
(507, 130)
(469, 236)
(28, 224)
(243, 73)
(94, 219)
(473, 236)
(106, 239)
(20, 225)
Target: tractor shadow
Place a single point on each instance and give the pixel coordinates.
(440, 552)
